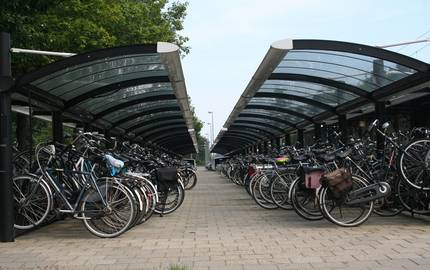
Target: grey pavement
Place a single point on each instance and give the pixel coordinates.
(220, 227)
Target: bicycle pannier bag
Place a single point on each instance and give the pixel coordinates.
(338, 181)
(312, 177)
(167, 175)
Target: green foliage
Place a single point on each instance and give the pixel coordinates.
(178, 267)
(201, 141)
(80, 25)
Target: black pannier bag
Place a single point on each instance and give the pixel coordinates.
(339, 181)
(168, 175)
(167, 178)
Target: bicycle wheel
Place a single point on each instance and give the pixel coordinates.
(279, 191)
(191, 179)
(32, 201)
(414, 200)
(170, 199)
(414, 164)
(304, 201)
(264, 188)
(150, 195)
(21, 163)
(258, 197)
(339, 212)
(113, 218)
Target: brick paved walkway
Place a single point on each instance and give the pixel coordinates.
(220, 227)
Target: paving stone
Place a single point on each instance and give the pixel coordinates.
(220, 227)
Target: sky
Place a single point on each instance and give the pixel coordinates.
(229, 38)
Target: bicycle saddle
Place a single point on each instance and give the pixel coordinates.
(327, 157)
(344, 154)
(300, 158)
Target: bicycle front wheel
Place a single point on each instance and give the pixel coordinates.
(32, 201)
(415, 164)
(110, 212)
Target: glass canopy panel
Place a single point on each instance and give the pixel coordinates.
(367, 73)
(99, 65)
(168, 129)
(314, 91)
(285, 116)
(149, 117)
(306, 109)
(127, 94)
(79, 79)
(163, 123)
(120, 114)
(250, 130)
(83, 87)
(264, 121)
(271, 130)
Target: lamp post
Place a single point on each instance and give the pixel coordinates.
(210, 133)
(212, 130)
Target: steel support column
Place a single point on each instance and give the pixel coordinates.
(343, 128)
(287, 139)
(278, 143)
(57, 127)
(317, 131)
(381, 115)
(301, 137)
(7, 233)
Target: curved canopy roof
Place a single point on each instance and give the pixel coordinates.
(135, 91)
(302, 82)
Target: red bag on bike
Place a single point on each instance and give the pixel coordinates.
(338, 181)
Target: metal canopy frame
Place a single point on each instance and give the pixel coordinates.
(344, 76)
(120, 89)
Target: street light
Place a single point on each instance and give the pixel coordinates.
(212, 131)
(209, 136)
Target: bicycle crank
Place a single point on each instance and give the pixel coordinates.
(368, 194)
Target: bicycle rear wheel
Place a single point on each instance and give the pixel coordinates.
(191, 179)
(279, 192)
(170, 199)
(339, 212)
(305, 201)
(257, 195)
